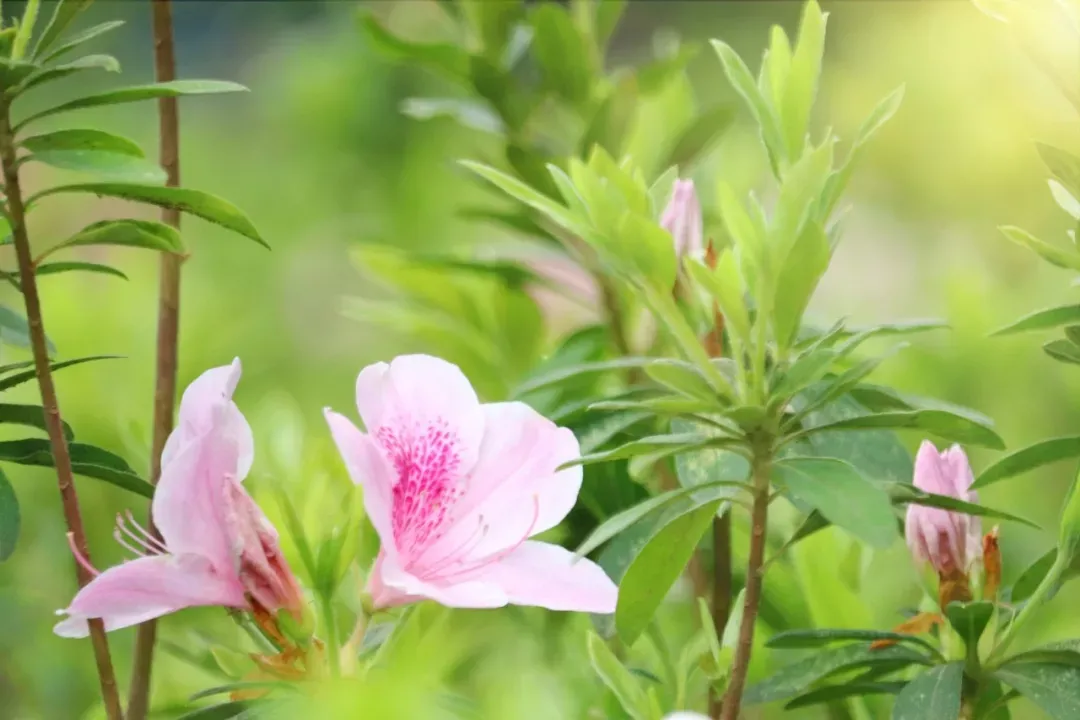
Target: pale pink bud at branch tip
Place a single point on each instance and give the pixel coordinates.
(216, 547)
(950, 541)
(456, 489)
(682, 218)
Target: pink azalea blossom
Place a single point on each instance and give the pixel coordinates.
(456, 488)
(217, 547)
(949, 541)
(682, 218)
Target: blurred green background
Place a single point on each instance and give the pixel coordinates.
(320, 158)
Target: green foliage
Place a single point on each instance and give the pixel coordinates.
(933, 695)
(10, 518)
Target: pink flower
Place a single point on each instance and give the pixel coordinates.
(682, 218)
(455, 489)
(950, 541)
(217, 549)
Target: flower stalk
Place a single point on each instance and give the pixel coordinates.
(168, 326)
(16, 212)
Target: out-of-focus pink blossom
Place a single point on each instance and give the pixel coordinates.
(456, 488)
(682, 218)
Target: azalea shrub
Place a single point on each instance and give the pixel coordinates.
(622, 414)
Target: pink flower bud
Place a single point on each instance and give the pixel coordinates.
(682, 218)
(949, 541)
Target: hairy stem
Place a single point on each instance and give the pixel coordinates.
(53, 422)
(168, 327)
(754, 571)
(721, 590)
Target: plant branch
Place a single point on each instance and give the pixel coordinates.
(1061, 564)
(53, 422)
(721, 590)
(754, 572)
(168, 326)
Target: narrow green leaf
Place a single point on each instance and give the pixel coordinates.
(467, 113)
(148, 234)
(1063, 351)
(87, 460)
(223, 711)
(834, 693)
(842, 495)
(944, 424)
(194, 202)
(78, 39)
(656, 568)
(838, 180)
(617, 678)
(807, 369)
(63, 267)
(1029, 458)
(683, 378)
(523, 193)
(660, 444)
(802, 639)
(725, 286)
(563, 374)
(800, 88)
(970, 619)
(14, 330)
(1065, 166)
(29, 416)
(1064, 199)
(82, 139)
(91, 62)
(1054, 688)
(112, 166)
(933, 695)
(1067, 259)
(1043, 320)
(799, 276)
(702, 134)
(173, 88)
(449, 60)
(9, 518)
(561, 53)
(18, 379)
(903, 493)
(740, 78)
(65, 13)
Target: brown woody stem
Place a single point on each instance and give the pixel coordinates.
(754, 571)
(168, 326)
(53, 422)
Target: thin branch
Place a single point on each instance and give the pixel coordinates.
(721, 591)
(54, 423)
(168, 326)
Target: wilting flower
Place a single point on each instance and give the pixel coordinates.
(455, 489)
(682, 218)
(217, 547)
(950, 541)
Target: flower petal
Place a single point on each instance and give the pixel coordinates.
(147, 588)
(394, 586)
(190, 505)
(514, 492)
(928, 471)
(369, 469)
(546, 575)
(207, 396)
(415, 394)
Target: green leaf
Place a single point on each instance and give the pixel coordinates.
(444, 58)
(223, 711)
(1064, 199)
(944, 424)
(702, 134)
(608, 13)
(62, 267)
(18, 379)
(933, 695)
(66, 11)
(1043, 320)
(148, 234)
(1065, 166)
(833, 693)
(655, 569)
(29, 416)
(538, 201)
(1067, 259)
(172, 88)
(1029, 458)
(970, 619)
(740, 78)
(561, 53)
(796, 678)
(1063, 351)
(82, 139)
(613, 119)
(725, 286)
(807, 369)
(91, 62)
(561, 375)
(109, 165)
(617, 678)
(9, 518)
(660, 444)
(78, 39)
(799, 276)
(467, 113)
(87, 460)
(842, 495)
(14, 330)
(800, 87)
(1054, 688)
(904, 493)
(194, 202)
(683, 378)
(801, 639)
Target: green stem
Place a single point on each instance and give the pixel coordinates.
(26, 29)
(333, 646)
(1037, 598)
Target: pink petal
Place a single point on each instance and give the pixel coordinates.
(929, 475)
(514, 491)
(147, 588)
(369, 469)
(208, 396)
(190, 505)
(546, 575)
(394, 586)
(958, 470)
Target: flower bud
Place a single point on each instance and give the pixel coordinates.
(682, 218)
(949, 541)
